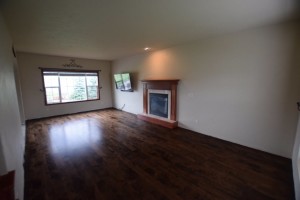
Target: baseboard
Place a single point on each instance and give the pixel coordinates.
(52, 116)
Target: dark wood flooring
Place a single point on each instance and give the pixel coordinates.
(111, 154)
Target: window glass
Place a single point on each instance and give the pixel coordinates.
(51, 81)
(70, 86)
(52, 95)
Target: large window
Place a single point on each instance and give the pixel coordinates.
(70, 86)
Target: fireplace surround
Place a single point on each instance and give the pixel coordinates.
(161, 115)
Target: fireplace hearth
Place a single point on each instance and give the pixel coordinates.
(160, 102)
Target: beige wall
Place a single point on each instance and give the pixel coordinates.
(11, 132)
(31, 83)
(239, 87)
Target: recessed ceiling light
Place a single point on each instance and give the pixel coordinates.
(147, 48)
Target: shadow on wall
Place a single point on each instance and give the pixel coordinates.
(134, 77)
(296, 150)
(2, 161)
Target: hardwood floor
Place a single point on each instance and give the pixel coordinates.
(111, 154)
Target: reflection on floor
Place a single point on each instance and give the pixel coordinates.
(111, 154)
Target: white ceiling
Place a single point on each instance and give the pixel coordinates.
(111, 29)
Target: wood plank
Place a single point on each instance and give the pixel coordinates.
(111, 154)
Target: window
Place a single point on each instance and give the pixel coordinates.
(70, 86)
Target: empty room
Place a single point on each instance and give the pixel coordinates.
(136, 99)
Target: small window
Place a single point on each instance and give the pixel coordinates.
(70, 86)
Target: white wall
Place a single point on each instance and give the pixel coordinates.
(19, 92)
(31, 83)
(296, 150)
(238, 87)
(296, 162)
(11, 133)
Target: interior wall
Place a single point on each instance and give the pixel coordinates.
(31, 83)
(19, 92)
(296, 150)
(11, 132)
(238, 87)
(296, 163)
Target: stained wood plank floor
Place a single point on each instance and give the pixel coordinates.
(111, 154)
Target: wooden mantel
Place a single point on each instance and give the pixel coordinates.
(170, 84)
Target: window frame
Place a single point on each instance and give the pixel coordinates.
(69, 70)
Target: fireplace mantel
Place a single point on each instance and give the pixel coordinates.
(170, 85)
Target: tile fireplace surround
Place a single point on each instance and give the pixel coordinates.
(170, 85)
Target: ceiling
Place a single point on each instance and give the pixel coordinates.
(112, 29)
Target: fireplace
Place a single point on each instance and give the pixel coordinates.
(160, 102)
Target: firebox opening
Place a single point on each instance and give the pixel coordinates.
(159, 103)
